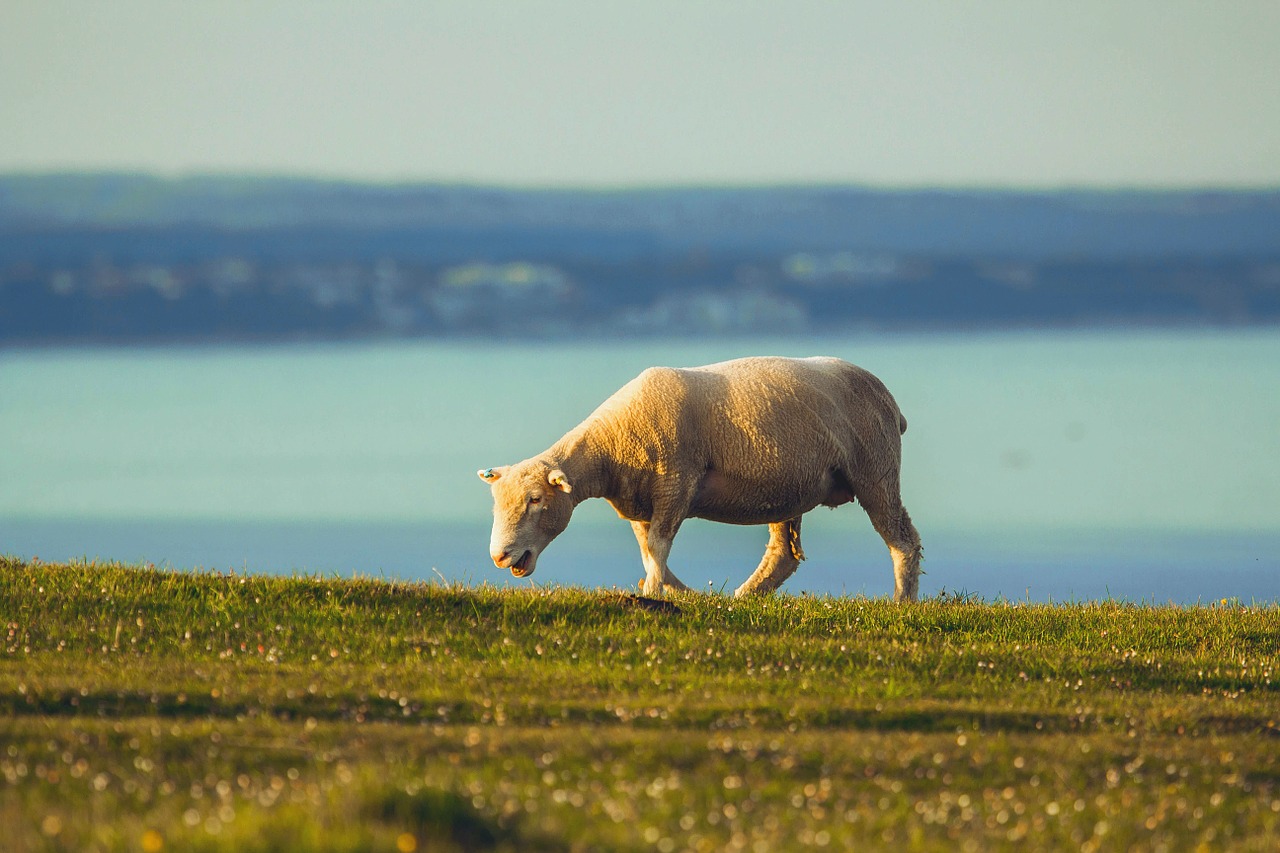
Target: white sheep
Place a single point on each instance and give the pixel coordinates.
(750, 441)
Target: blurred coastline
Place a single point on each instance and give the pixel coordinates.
(133, 259)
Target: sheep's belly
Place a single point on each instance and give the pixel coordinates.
(741, 501)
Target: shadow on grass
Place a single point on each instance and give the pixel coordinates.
(927, 717)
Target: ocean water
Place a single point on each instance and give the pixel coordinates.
(1065, 465)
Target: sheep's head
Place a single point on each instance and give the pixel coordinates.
(531, 506)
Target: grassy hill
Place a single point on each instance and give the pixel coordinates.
(157, 710)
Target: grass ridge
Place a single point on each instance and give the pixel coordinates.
(210, 710)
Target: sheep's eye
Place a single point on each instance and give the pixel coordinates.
(536, 499)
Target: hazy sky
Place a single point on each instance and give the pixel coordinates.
(591, 92)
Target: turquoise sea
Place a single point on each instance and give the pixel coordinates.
(1142, 465)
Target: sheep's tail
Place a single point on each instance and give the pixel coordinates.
(902, 423)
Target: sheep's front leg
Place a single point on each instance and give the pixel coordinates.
(655, 544)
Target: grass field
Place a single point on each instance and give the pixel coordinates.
(156, 710)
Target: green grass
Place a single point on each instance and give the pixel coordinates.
(157, 710)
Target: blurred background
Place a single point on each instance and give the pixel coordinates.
(277, 278)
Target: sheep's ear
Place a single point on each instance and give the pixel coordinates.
(489, 475)
(560, 481)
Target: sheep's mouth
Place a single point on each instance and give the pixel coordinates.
(520, 568)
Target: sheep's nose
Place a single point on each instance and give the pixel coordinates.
(500, 557)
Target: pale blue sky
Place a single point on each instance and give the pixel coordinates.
(1167, 93)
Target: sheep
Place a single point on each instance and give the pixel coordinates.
(759, 440)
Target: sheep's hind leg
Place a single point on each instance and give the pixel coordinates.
(782, 557)
(654, 548)
(891, 521)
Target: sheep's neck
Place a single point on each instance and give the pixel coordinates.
(583, 462)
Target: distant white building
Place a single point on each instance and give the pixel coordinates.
(390, 294)
(327, 286)
(718, 312)
(229, 277)
(474, 293)
(840, 268)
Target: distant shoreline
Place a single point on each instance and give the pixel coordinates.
(100, 258)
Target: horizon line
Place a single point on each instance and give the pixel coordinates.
(589, 187)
